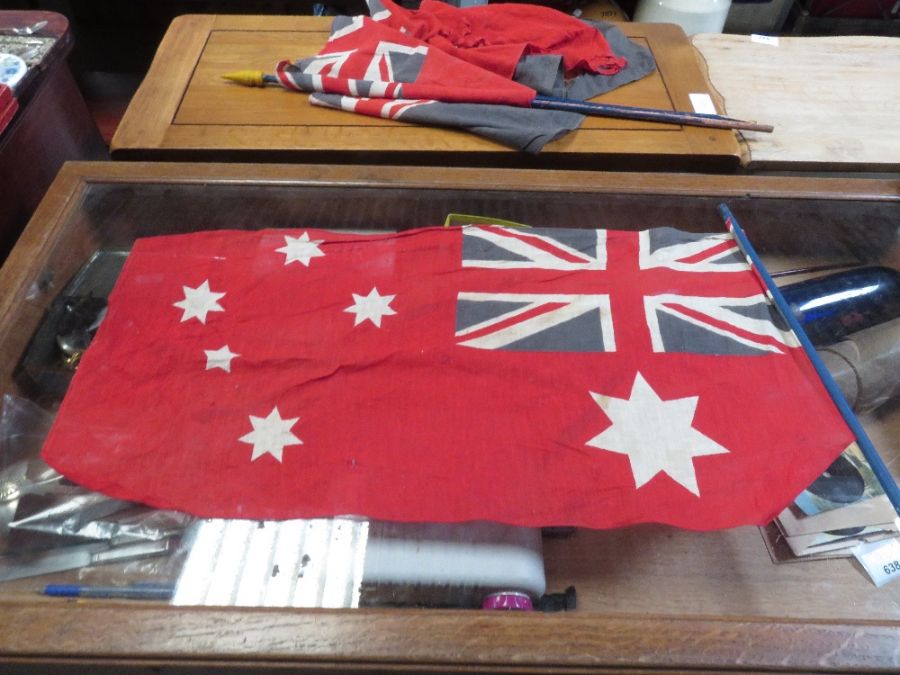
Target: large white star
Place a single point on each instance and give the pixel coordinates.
(656, 435)
(219, 358)
(372, 307)
(300, 249)
(198, 302)
(270, 435)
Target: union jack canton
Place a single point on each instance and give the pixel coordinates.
(619, 269)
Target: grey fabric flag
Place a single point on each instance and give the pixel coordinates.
(525, 129)
(544, 73)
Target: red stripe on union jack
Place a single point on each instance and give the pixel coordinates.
(686, 252)
(535, 322)
(702, 325)
(538, 248)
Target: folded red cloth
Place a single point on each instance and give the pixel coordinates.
(8, 106)
(496, 37)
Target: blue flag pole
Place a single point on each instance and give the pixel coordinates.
(708, 120)
(878, 466)
(256, 78)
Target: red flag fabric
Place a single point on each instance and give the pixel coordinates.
(532, 377)
(8, 106)
(369, 67)
(371, 60)
(497, 37)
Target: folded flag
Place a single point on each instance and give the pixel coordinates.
(373, 67)
(533, 377)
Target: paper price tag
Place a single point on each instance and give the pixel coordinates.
(702, 103)
(764, 39)
(881, 559)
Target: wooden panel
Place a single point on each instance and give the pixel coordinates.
(833, 100)
(103, 631)
(217, 119)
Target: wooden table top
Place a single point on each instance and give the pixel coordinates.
(834, 101)
(185, 110)
(648, 596)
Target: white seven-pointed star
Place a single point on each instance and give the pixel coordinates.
(270, 435)
(372, 307)
(198, 302)
(656, 435)
(219, 358)
(300, 249)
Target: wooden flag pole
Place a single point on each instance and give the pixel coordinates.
(255, 78)
(878, 467)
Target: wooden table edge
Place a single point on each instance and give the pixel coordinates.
(105, 630)
(743, 148)
(542, 180)
(185, 37)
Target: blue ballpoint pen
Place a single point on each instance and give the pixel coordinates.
(136, 592)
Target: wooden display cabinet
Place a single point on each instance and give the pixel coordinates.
(53, 124)
(650, 597)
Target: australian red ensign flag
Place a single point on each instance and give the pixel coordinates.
(530, 376)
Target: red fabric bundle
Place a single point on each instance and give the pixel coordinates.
(496, 37)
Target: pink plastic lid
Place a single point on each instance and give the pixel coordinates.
(508, 600)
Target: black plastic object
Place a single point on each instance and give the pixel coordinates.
(841, 483)
(558, 602)
(831, 307)
(67, 328)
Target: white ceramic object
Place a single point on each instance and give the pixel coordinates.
(694, 16)
(12, 69)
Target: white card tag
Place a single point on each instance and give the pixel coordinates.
(703, 103)
(764, 39)
(881, 559)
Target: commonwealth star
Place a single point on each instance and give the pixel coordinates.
(300, 249)
(371, 307)
(270, 435)
(198, 302)
(656, 435)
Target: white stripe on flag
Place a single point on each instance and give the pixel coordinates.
(388, 107)
(355, 24)
(349, 103)
(409, 105)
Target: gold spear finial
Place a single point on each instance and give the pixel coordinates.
(248, 78)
